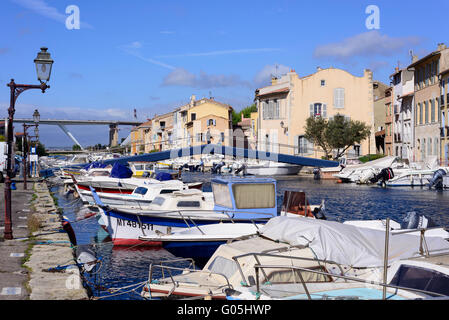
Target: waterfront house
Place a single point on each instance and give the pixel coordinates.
(427, 103)
(285, 105)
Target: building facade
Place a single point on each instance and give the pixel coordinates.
(285, 106)
(427, 104)
(402, 118)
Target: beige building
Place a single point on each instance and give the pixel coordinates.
(427, 104)
(209, 121)
(444, 97)
(380, 100)
(290, 100)
(138, 138)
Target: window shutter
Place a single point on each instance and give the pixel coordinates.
(324, 111)
(311, 110)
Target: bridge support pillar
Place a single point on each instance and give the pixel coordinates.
(113, 135)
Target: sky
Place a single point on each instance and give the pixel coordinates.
(153, 55)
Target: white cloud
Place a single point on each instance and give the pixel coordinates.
(371, 43)
(133, 49)
(263, 77)
(42, 8)
(183, 77)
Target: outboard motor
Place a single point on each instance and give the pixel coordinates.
(316, 174)
(242, 169)
(437, 179)
(383, 176)
(416, 221)
(216, 167)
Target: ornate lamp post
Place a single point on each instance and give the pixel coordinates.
(44, 65)
(36, 118)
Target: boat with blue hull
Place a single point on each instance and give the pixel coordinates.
(236, 200)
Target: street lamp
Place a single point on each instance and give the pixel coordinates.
(44, 65)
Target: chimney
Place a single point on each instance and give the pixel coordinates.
(274, 80)
(441, 46)
(414, 58)
(192, 100)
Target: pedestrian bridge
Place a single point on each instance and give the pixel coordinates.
(227, 151)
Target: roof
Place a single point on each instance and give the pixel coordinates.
(282, 90)
(430, 55)
(227, 180)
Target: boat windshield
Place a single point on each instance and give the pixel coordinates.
(222, 196)
(223, 266)
(254, 195)
(421, 278)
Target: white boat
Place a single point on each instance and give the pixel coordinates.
(141, 197)
(270, 168)
(361, 173)
(293, 253)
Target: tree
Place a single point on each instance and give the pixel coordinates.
(40, 150)
(237, 116)
(76, 147)
(315, 132)
(336, 134)
(2, 138)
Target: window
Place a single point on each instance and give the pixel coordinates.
(159, 201)
(432, 110)
(318, 110)
(188, 204)
(222, 196)
(303, 145)
(199, 137)
(140, 190)
(426, 112)
(222, 136)
(193, 116)
(435, 147)
(420, 113)
(254, 195)
(223, 266)
(211, 122)
(429, 147)
(165, 191)
(271, 109)
(323, 83)
(339, 98)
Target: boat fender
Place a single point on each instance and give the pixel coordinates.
(68, 228)
(416, 221)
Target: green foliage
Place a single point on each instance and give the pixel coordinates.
(76, 147)
(2, 138)
(237, 116)
(371, 157)
(336, 134)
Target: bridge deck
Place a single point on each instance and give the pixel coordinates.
(229, 151)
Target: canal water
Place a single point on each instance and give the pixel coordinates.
(122, 267)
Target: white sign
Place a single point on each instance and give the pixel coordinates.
(34, 157)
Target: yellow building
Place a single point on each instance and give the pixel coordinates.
(208, 121)
(138, 138)
(285, 105)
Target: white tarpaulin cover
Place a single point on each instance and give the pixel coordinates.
(347, 244)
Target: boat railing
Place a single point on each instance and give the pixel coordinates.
(257, 267)
(423, 247)
(168, 269)
(266, 254)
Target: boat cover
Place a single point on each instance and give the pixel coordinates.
(94, 165)
(163, 176)
(120, 171)
(347, 244)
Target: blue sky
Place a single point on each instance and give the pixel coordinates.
(152, 55)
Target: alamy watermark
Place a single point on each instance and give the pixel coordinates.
(373, 20)
(73, 21)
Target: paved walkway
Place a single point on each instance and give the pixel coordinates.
(13, 276)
